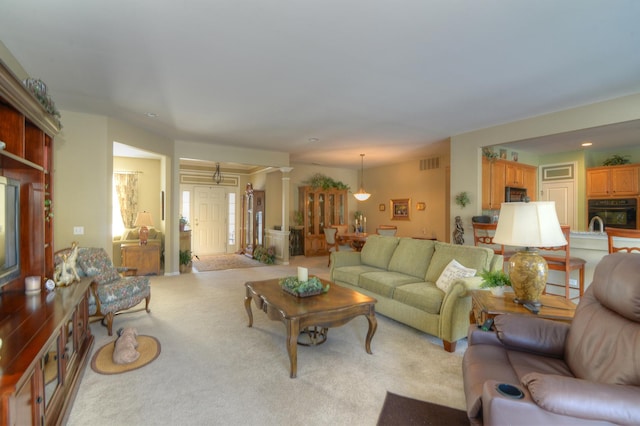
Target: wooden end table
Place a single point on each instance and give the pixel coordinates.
(145, 258)
(332, 309)
(485, 305)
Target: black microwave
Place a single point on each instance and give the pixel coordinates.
(512, 194)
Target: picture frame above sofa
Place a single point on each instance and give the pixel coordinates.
(400, 209)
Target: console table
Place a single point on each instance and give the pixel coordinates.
(145, 258)
(46, 346)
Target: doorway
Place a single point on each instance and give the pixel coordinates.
(558, 184)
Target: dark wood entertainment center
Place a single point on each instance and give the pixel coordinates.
(45, 339)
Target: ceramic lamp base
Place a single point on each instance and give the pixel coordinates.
(528, 273)
(144, 235)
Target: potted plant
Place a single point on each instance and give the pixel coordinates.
(185, 261)
(495, 281)
(298, 219)
(183, 223)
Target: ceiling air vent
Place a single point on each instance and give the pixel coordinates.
(430, 163)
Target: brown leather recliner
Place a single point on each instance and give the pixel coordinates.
(584, 373)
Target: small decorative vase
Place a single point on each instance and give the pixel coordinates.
(497, 291)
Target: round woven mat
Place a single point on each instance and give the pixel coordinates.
(102, 361)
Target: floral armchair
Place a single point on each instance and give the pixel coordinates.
(110, 291)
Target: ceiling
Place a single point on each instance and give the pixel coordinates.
(326, 80)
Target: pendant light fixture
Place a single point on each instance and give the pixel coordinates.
(217, 176)
(362, 195)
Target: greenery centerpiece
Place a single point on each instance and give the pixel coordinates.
(496, 281)
(298, 288)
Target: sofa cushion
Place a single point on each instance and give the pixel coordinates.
(378, 251)
(478, 258)
(424, 296)
(130, 234)
(384, 283)
(351, 274)
(452, 272)
(412, 257)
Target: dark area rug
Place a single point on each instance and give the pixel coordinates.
(400, 410)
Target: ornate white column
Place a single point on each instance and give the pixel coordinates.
(286, 203)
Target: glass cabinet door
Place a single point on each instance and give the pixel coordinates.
(331, 201)
(310, 218)
(51, 372)
(321, 212)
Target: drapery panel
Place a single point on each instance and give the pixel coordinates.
(127, 192)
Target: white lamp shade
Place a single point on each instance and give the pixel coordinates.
(143, 219)
(362, 195)
(533, 224)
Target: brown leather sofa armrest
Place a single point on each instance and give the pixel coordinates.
(586, 402)
(531, 334)
(477, 336)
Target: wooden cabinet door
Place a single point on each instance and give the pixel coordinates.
(598, 182)
(530, 175)
(514, 175)
(25, 403)
(498, 182)
(486, 183)
(624, 181)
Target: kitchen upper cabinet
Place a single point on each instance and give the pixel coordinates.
(493, 183)
(498, 174)
(613, 181)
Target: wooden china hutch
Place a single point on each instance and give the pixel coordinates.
(253, 220)
(320, 208)
(45, 339)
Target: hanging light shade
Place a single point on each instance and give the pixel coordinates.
(362, 195)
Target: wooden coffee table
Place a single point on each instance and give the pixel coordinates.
(484, 305)
(332, 309)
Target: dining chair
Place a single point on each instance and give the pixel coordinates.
(333, 244)
(559, 259)
(626, 236)
(483, 234)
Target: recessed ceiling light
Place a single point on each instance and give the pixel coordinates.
(313, 140)
(151, 114)
(586, 143)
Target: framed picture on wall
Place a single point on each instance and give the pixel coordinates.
(400, 208)
(421, 206)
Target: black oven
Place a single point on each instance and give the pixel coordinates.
(614, 212)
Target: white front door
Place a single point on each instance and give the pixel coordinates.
(209, 230)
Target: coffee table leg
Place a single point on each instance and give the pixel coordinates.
(247, 306)
(293, 330)
(373, 326)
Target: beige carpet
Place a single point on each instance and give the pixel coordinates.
(214, 370)
(220, 262)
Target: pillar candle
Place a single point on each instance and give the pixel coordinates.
(303, 274)
(32, 284)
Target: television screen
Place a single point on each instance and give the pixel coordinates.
(9, 230)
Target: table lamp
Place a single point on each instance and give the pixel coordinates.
(143, 219)
(530, 225)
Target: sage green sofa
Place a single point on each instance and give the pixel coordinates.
(401, 274)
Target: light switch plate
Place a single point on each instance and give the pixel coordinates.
(78, 230)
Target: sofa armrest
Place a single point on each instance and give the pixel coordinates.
(573, 397)
(530, 334)
(344, 258)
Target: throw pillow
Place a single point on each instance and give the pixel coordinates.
(452, 272)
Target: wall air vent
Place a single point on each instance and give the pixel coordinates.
(430, 163)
